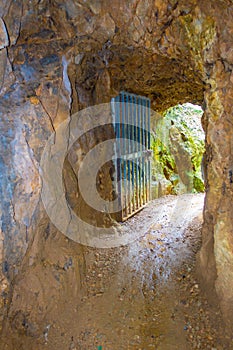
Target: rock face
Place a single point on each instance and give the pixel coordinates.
(59, 57)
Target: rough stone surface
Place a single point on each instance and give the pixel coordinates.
(170, 51)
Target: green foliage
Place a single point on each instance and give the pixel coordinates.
(198, 184)
(186, 120)
(164, 161)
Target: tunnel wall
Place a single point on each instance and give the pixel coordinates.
(57, 58)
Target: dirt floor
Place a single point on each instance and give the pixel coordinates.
(144, 295)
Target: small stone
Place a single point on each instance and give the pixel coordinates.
(108, 24)
(78, 58)
(34, 100)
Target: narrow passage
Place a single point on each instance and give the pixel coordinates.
(145, 295)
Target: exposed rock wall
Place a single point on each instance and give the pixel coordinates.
(59, 57)
(216, 253)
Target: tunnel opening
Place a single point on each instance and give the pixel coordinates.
(178, 144)
(169, 146)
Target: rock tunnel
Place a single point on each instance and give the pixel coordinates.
(60, 57)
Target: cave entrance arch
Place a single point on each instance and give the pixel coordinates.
(131, 120)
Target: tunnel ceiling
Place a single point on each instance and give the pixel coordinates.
(165, 81)
(146, 47)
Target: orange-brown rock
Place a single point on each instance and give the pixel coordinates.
(57, 57)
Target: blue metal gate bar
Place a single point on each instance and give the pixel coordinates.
(122, 121)
(128, 133)
(132, 128)
(139, 116)
(146, 144)
(143, 159)
(116, 114)
(132, 150)
(148, 147)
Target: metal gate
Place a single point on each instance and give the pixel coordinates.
(131, 119)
